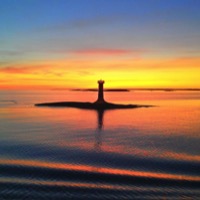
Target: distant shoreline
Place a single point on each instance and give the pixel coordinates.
(133, 89)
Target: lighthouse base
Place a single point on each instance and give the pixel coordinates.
(96, 105)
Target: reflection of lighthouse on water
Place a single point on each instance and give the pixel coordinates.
(98, 132)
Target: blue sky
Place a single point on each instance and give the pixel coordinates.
(142, 24)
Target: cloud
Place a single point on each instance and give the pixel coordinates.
(11, 53)
(44, 70)
(24, 69)
(107, 52)
(85, 73)
(16, 70)
(83, 23)
(3, 63)
(186, 62)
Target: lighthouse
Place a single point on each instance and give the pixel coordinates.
(100, 92)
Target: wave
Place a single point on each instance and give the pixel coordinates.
(36, 171)
(83, 182)
(101, 159)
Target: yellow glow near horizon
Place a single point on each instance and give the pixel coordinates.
(124, 72)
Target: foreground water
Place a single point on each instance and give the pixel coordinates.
(68, 153)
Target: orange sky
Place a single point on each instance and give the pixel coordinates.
(71, 44)
(117, 69)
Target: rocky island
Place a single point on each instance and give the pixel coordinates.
(99, 104)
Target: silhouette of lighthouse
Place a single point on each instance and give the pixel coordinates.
(100, 92)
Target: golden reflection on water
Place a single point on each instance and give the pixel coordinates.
(88, 142)
(97, 169)
(154, 121)
(174, 114)
(171, 114)
(67, 184)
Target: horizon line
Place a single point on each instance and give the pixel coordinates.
(120, 89)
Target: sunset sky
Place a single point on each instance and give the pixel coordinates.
(47, 44)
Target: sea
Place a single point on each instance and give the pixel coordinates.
(68, 153)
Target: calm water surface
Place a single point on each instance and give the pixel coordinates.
(68, 153)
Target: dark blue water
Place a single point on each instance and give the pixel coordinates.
(65, 153)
